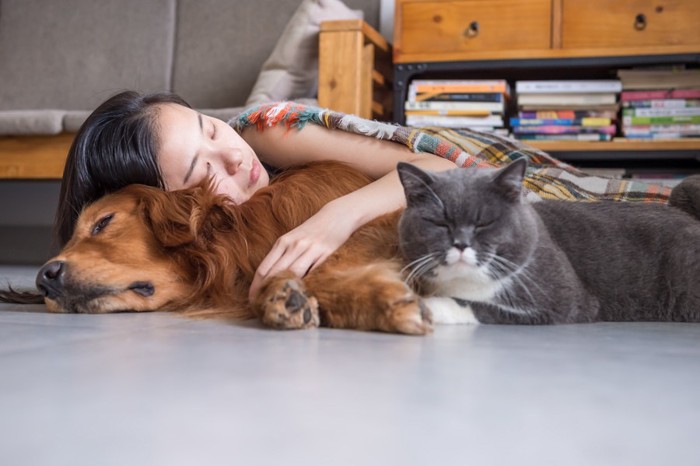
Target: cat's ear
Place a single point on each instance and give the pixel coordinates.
(416, 182)
(509, 179)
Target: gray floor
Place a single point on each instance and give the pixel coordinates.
(157, 389)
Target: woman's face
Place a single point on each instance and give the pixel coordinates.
(194, 147)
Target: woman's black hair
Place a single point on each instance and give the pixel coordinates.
(115, 147)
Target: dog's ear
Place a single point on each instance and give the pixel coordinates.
(183, 217)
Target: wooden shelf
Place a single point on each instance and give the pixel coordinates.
(617, 144)
(34, 157)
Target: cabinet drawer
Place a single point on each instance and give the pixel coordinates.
(630, 23)
(472, 25)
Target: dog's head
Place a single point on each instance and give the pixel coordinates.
(136, 250)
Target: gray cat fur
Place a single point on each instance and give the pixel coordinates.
(588, 261)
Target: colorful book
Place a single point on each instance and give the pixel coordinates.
(661, 94)
(488, 107)
(567, 114)
(491, 121)
(662, 135)
(661, 120)
(566, 99)
(643, 129)
(661, 112)
(611, 129)
(573, 86)
(662, 103)
(471, 113)
(586, 121)
(565, 137)
(460, 97)
(614, 108)
(420, 86)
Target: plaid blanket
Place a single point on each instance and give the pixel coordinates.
(547, 177)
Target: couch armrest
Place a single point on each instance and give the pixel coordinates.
(354, 69)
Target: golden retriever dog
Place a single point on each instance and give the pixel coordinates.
(145, 249)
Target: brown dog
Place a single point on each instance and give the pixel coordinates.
(145, 249)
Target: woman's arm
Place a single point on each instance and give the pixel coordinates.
(311, 243)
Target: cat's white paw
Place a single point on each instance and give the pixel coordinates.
(447, 311)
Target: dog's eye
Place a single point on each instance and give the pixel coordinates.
(102, 224)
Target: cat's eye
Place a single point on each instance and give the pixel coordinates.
(102, 224)
(483, 225)
(440, 224)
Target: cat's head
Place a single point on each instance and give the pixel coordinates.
(465, 222)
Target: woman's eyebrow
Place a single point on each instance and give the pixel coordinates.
(196, 156)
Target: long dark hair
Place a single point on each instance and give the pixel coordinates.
(115, 147)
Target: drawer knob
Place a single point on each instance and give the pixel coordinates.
(472, 30)
(640, 22)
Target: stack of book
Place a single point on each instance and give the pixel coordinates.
(660, 104)
(566, 110)
(456, 103)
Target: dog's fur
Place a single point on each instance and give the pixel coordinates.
(144, 249)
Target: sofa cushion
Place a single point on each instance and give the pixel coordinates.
(291, 71)
(73, 54)
(25, 122)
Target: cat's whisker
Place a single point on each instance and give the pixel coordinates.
(518, 274)
(418, 272)
(420, 266)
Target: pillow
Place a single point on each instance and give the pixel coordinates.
(291, 71)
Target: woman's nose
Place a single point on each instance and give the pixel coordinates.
(232, 161)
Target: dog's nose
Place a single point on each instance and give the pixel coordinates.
(49, 280)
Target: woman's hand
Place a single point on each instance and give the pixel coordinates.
(307, 246)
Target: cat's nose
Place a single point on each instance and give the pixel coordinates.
(461, 245)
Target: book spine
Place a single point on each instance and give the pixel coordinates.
(544, 87)
(663, 94)
(662, 103)
(447, 112)
(661, 112)
(443, 87)
(586, 121)
(661, 120)
(564, 129)
(461, 97)
(642, 129)
(566, 99)
(567, 114)
(565, 137)
(491, 121)
(464, 106)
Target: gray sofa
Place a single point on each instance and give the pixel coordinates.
(61, 58)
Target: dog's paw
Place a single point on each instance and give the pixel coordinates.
(408, 314)
(288, 307)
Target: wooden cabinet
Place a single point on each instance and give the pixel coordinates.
(546, 39)
(473, 25)
(629, 23)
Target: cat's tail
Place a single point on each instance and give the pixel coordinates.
(686, 196)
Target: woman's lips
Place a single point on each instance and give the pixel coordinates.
(254, 173)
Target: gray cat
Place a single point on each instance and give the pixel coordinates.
(483, 255)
